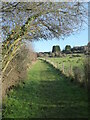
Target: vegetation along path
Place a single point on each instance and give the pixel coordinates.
(46, 94)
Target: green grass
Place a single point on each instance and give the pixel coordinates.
(46, 94)
(69, 63)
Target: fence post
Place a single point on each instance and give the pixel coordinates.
(45, 58)
(70, 71)
(57, 64)
(63, 67)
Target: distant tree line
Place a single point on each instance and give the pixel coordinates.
(77, 49)
(56, 51)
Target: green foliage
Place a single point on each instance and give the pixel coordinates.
(46, 94)
(17, 68)
(76, 66)
(87, 71)
(67, 49)
(69, 61)
(56, 48)
(78, 75)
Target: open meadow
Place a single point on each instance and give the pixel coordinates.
(67, 64)
(71, 65)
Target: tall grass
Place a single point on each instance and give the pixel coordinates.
(79, 76)
(87, 71)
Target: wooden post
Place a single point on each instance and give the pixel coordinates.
(70, 70)
(63, 67)
(57, 64)
(70, 73)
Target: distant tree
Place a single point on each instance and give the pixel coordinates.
(68, 49)
(56, 48)
(88, 45)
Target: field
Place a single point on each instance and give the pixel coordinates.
(46, 93)
(68, 63)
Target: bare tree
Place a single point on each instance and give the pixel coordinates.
(36, 20)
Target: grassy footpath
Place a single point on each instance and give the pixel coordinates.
(46, 94)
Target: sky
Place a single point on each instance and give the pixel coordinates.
(78, 39)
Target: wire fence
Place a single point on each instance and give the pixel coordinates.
(68, 72)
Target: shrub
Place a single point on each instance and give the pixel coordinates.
(17, 69)
(78, 75)
(57, 54)
(53, 54)
(82, 76)
(87, 71)
(67, 49)
(56, 48)
(76, 55)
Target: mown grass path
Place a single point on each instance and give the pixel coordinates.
(46, 94)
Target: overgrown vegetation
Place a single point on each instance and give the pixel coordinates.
(87, 71)
(17, 69)
(79, 75)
